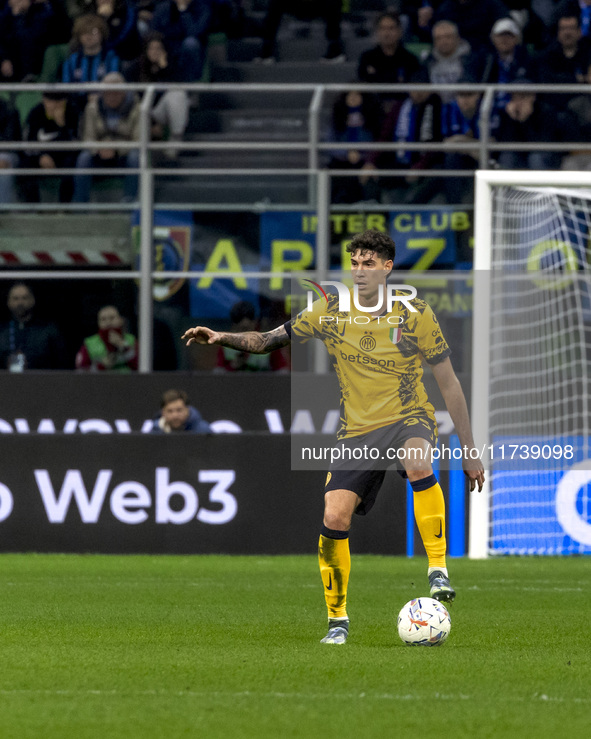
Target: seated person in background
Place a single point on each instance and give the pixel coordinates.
(474, 18)
(329, 10)
(417, 120)
(242, 316)
(445, 62)
(26, 30)
(111, 118)
(355, 119)
(460, 124)
(90, 60)
(55, 119)
(528, 119)
(177, 415)
(184, 25)
(121, 19)
(565, 61)
(504, 61)
(580, 9)
(388, 62)
(10, 130)
(25, 341)
(112, 348)
(171, 107)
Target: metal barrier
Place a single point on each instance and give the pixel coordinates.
(318, 178)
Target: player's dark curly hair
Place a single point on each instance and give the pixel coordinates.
(377, 241)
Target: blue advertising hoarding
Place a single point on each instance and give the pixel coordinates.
(542, 505)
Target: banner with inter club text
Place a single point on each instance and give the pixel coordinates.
(239, 244)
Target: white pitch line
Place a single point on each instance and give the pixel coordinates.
(536, 697)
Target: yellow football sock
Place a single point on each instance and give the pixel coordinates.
(334, 559)
(430, 517)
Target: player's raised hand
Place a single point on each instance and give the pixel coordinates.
(200, 335)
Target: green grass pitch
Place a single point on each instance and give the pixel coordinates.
(209, 646)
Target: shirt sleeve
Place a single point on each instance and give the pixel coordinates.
(307, 324)
(431, 341)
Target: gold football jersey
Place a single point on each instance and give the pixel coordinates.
(378, 359)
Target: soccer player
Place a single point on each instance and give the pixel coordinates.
(383, 405)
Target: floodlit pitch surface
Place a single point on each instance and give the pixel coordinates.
(105, 646)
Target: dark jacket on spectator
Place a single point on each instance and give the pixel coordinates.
(376, 67)
(10, 127)
(41, 343)
(176, 26)
(553, 67)
(546, 123)
(24, 38)
(124, 37)
(485, 66)
(195, 424)
(43, 129)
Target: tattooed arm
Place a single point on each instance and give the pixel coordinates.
(253, 342)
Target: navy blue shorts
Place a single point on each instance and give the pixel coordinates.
(364, 475)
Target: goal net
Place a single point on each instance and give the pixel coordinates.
(532, 363)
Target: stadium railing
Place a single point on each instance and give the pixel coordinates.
(319, 178)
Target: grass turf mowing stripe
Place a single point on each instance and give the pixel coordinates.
(229, 647)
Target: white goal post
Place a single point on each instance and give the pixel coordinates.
(528, 221)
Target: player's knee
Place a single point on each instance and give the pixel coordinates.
(418, 473)
(337, 520)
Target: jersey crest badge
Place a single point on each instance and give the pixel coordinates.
(395, 334)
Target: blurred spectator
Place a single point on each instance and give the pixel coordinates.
(355, 119)
(10, 130)
(580, 9)
(145, 13)
(171, 107)
(445, 63)
(388, 62)
(460, 124)
(417, 120)
(121, 19)
(566, 61)
(25, 341)
(504, 61)
(55, 119)
(184, 24)
(91, 60)
(580, 107)
(112, 348)
(474, 18)
(329, 10)
(420, 17)
(243, 319)
(527, 119)
(177, 415)
(111, 118)
(26, 30)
